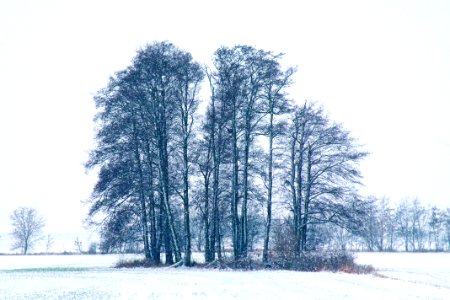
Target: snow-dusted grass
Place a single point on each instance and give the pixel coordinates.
(421, 268)
(404, 276)
(14, 262)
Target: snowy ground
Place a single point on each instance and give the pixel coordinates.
(402, 276)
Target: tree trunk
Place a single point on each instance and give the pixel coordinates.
(143, 208)
(235, 190)
(161, 130)
(300, 218)
(206, 221)
(187, 224)
(170, 221)
(244, 214)
(185, 116)
(307, 198)
(215, 233)
(269, 190)
(294, 195)
(167, 240)
(153, 232)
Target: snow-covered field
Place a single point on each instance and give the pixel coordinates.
(402, 276)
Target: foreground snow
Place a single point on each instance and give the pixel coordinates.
(404, 276)
(419, 268)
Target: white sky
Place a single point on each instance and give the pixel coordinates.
(382, 68)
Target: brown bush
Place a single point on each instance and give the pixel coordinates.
(334, 261)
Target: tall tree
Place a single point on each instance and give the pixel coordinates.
(247, 82)
(144, 114)
(325, 159)
(187, 86)
(216, 155)
(277, 106)
(122, 178)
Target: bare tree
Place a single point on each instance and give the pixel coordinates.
(277, 106)
(79, 245)
(187, 85)
(48, 243)
(248, 84)
(144, 148)
(418, 218)
(378, 228)
(446, 221)
(27, 228)
(324, 171)
(403, 220)
(435, 224)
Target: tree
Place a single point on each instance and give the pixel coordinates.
(48, 243)
(323, 171)
(404, 222)
(418, 218)
(371, 227)
(120, 231)
(446, 217)
(435, 226)
(277, 107)
(187, 86)
(213, 162)
(378, 227)
(78, 245)
(386, 224)
(248, 85)
(144, 142)
(27, 228)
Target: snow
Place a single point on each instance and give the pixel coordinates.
(14, 262)
(421, 268)
(401, 276)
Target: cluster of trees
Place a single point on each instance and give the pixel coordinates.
(410, 227)
(171, 175)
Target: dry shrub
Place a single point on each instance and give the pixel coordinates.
(314, 261)
(134, 263)
(285, 257)
(245, 264)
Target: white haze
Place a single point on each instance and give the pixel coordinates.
(379, 67)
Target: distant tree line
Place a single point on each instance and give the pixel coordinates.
(223, 174)
(410, 226)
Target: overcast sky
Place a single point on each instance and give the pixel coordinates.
(382, 68)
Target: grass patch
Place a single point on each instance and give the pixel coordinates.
(48, 270)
